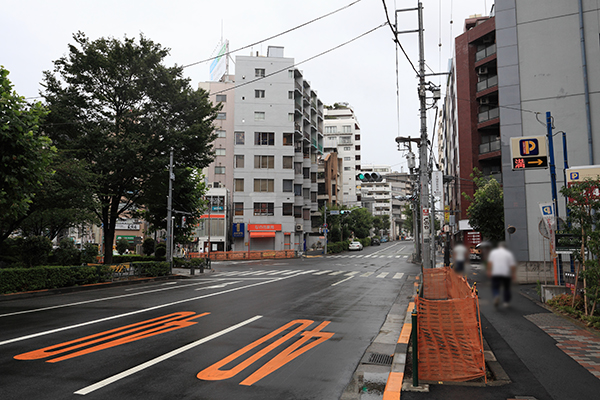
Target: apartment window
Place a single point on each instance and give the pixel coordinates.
(221, 98)
(290, 117)
(298, 211)
(239, 138)
(264, 185)
(221, 115)
(259, 94)
(291, 95)
(357, 157)
(347, 168)
(306, 213)
(345, 139)
(238, 185)
(259, 115)
(298, 168)
(221, 133)
(347, 158)
(264, 138)
(288, 139)
(239, 161)
(297, 190)
(259, 72)
(357, 148)
(219, 152)
(288, 185)
(264, 208)
(264, 162)
(287, 209)
(346, 128)
(306, 193)
(288, 162)
(347, 148)
(357, 137)
(331, 129)
(219, 170)
(290, 73)
(238, 208)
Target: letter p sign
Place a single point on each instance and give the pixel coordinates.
(529, 147)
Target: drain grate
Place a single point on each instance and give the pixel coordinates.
(380, 359)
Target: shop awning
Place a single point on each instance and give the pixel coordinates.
(262, 234)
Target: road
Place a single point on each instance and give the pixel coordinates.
(272, 329)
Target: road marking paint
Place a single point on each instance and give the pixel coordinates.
(393, 387)
(390, 256)
(322, 272)
(343, 280)
(397, 256)
(134, 332)
(397, 276)
(263, 272)
(360, 256)
(278, 272)
(215, 373)
(366, 274)
(382, 275)
(64, 328)
(289, 272)
(309, 271)
(131, 371)
(150, 286)
(352, 273)
(336, 273)
(368, 256)
(205, 280)
(219, 286)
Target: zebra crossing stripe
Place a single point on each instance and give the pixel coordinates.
(322, 272)
(390, 256)
(366, 274)
(289, 273)
(352, 273)
(359, 256)
(368, 256)
(397, 256)
(278, 272)
(382, 275)
(250, 272)
(336, 273)
(398, 275)
(263, 273)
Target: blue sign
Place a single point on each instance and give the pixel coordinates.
(238, 230)
(574, 176)
(547, 210)
(529, 147)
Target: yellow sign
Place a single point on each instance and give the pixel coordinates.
(446, 214)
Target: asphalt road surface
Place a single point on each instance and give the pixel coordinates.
(272, 329)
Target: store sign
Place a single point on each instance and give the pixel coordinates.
(437, 184)
(238, 230)
(124, 226)
(426, 222)
(264, 227)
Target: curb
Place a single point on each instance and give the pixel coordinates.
(83, 288)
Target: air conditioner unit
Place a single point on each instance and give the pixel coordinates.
(299, 227)
(482, 70)
(484, 100)
(216, 184)
(209, 185)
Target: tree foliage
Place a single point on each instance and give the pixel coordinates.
(25, 155)
(408, 218)
(486, 211)
(117, 106)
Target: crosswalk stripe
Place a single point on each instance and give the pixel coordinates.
(366, 274)
(368, 256)
(308, 271)
(322, 272)
(337, 273)
(352, 273)
(390, 256)
(352, 256)
(289, 273)
(278, 272)
(250, 272)
(359, 256)
(382, 275)
(398, 275)
(263, 272)
(397, 256)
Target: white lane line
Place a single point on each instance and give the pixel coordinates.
(150, 286)
(368, 256)
(366, 274)
(352, 273)
(205, 280)
(398, 275)
(353, 256)
(323, 272)
(336, 273)
(154, 361)
(219, 286)
(360, 256)
(382, 275)
(64, 328)
(278, 272)
(343, 280)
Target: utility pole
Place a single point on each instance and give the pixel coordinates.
(326, 227)
(170, 215)
(423, 170)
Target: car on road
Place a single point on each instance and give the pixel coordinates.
(375, 242)
(355, 246)
(384, 239)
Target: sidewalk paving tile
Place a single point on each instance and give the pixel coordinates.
(581, 345)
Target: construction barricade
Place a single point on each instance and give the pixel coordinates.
(450, 344)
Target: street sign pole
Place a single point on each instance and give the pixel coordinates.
(553, 184)
(325, 223)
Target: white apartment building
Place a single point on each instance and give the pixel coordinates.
(377, 196)
(342, 134)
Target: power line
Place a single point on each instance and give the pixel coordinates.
(396, 38)
(277, 35)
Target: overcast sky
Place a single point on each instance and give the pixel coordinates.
(36, 32)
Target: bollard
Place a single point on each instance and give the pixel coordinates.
(415, 348)
(192, 269)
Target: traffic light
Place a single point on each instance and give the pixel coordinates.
(360, 177)
(369, 177)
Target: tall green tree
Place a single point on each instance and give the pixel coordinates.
(25, 154)
(360, 221)
(408, 218)
(117, 106)
(486, 211)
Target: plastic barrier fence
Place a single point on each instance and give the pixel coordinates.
(450, 345)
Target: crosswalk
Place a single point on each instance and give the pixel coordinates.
(328, 272)
(369, 256)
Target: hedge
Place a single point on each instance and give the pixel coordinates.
(127, 258)
(48, 277)
(183, 263)
(152, 268)
(337, 247)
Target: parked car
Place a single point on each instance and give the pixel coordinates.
(355, 246)
(375, 242)
(384, 239)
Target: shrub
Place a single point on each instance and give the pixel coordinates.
(152, 268)
(89, 253)
(183, 263)
(161, 250)
(35, 249)
(67, 253)
(122, 246)
(148, 246)
(47, 277)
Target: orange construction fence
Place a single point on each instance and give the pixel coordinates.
(450, 344)
(245, 255)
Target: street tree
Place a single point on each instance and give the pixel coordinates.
(360, 221)
(486, 211)
(25, 154)
(408, 218)
(117, 106)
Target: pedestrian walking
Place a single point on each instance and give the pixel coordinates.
(501, 267)
(459, 255)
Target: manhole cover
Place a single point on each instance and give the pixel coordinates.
(380, 359)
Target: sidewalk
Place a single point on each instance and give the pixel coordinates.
(545, 355)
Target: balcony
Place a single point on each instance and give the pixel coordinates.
(489, 147)
(488, 51)
(298, 86)
(489, 114)
(487, 83)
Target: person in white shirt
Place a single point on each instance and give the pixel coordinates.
(459, 254)
(501, 268)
